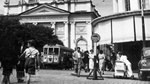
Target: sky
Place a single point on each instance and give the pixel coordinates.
(104, 8)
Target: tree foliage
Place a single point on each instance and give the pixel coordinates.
(12, 33)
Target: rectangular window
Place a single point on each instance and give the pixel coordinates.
(56, 51)
(51, 51)
(45, 51)
(60, 28)
(127, 5)
(32, 1)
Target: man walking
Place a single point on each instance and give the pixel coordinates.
(77, 56)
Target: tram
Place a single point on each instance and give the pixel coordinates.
(58, 57)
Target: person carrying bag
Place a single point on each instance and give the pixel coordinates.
(31, 57)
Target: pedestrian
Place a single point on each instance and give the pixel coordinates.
(86, 61)
(20, 65)
(113, 59)
(75, 60)
(7, 69)
(101, 57)
(124, 59)
(78, 56)
(91, 60)
(8, 60)
(118, 56)
(31, 59)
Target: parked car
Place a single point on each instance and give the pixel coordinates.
(144, 64)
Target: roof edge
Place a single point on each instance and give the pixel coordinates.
(119, 15)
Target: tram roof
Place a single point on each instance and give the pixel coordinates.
(57, 46)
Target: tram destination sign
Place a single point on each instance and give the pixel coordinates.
(95, 37)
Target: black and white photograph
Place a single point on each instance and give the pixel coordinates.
(74, 42)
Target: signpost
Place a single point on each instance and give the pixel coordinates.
(95, 38)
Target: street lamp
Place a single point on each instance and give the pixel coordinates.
(143, 24)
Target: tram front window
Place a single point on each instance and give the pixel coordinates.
(50, 51)
(45, 51)
(56, 51)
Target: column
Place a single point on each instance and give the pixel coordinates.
(53, 26)
(66, 34)
(89, 34)
(72, 37)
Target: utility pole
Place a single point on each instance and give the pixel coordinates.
(143, 24)
(7, 3)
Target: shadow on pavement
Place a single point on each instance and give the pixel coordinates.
(34, 82)
(109, 77)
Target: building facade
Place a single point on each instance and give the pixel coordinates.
(70, 19)
(123, 30)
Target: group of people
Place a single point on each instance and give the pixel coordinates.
(27, 62)
(86, 60)
(79, 61)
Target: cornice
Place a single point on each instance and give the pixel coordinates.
(37, 3)
(119, 15)
(84, 12)
(24, 4)
(65, 14)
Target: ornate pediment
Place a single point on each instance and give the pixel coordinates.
(44, 9)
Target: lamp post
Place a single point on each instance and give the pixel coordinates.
(143, 24)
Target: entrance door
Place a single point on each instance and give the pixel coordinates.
(82, 44)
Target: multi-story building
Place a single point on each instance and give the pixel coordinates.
(124, 29)
(70, 19)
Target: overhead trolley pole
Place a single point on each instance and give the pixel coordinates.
(143, 23)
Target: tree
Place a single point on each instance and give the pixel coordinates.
(42, 35)
(12, 33)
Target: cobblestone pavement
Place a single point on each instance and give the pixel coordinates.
(65, 77)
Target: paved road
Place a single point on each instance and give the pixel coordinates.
(65, 77)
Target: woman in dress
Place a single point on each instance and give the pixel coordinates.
(91, 60)
(101, 57)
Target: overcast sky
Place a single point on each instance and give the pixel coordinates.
(104, 8)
